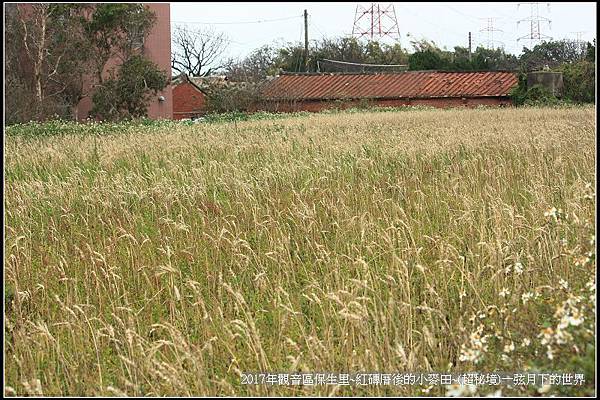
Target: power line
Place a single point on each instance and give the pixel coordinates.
(346, 66)
(461, 13)
(298, 62)
(313, 24)
(239, 22)
(438, 29)
(364, 64)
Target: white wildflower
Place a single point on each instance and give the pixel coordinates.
(552, 213)
(550, 352)
(547, 335)
(509, 347)
(525, 297)
(504, 292)
(591, 286)
(460, 390)
(477, 346)
(544, 389)
(518, 267)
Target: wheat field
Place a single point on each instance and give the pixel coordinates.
(164, 262)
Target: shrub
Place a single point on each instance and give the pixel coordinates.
(535, 95)
(540, 95)
(128, 95)
(229, 98)
(579, 81)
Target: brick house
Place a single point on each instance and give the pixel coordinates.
(189, 100)
(190, 94)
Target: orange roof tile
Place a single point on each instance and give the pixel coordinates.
(417, 84)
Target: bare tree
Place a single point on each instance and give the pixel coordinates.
(254, 67)
(197, 52)
(45, 58)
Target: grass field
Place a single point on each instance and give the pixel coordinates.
(168, 260)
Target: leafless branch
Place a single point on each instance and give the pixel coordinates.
(198, 52)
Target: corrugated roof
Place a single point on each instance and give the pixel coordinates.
(417, 84)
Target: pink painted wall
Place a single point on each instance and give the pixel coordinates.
(157, 48)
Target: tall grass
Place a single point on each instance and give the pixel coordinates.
(166, 261)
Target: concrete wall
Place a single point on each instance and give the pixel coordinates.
(319, 105)
(188, 101)
(552, 81)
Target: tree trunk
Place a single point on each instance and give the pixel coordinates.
(35, 46)
(40, 57)
(75, 112)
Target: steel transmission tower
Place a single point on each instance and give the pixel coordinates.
(376, 22)
(580, 43)
(535, 33)
(490, 34)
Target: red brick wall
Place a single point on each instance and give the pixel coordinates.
(319, 105)
(188, 101)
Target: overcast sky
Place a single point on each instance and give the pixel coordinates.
(447, 24)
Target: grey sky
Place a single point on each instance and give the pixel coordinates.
(447, 24)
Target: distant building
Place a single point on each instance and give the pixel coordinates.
(190, 94)
(156, 47)
(314, 92)
(552, 81)
(189, 98)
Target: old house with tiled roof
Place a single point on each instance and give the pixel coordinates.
(315, 92)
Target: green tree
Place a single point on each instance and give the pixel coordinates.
(579, 81)
(590, 52)
(127, 95)
(46, 57)
(494, 60)
(52, 48)
(551, 55)
(116, 30)
(289, 57)
(256, 66)
(428, 59)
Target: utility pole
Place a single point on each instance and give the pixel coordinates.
(305, 41)
(469, 46)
